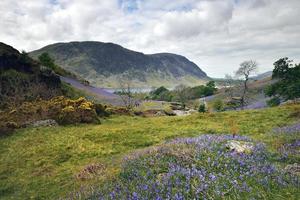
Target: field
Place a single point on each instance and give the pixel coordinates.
(47, 163)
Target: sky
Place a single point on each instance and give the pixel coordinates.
(215, 34)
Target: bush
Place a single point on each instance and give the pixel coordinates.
(218, 105)
(7, 127)
(77, 111)
(61, 109)
(202, 108)
(275, 101)
(101, 110)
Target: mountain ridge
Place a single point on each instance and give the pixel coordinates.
(104, 63)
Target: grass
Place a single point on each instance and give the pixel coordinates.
(153, 105)
(42, 163)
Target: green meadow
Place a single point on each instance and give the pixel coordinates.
(44, 163)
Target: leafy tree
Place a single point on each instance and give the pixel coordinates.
(162, 94)
(203, 90)
(281, 68)
(275, 101)
(47, 61)
(159, 90)
(287, 85)
(211, 84)
(245, 70)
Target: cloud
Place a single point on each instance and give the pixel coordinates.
(215, 34)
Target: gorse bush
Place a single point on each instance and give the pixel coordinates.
(61, 109)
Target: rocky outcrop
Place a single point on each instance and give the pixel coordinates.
(240, 146)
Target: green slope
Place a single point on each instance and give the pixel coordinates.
(42, 163)
(104, 63)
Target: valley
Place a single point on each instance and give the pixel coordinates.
(150, 100)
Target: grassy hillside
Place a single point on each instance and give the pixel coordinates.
(23, 79)
(102, 64)
(47, 163)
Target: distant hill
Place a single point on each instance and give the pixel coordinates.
(102, 64)
(262, 76)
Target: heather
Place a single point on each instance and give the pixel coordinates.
(200, 168)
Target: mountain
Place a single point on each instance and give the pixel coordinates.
(102, 64)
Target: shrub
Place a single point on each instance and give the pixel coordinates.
(77, 111)
(101, 110)
(61, 109)
(218, 105)
(7, 127)
(202, 108)
(275, 101)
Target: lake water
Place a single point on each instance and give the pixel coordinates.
(135, 90)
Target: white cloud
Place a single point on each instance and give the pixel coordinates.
(215, 34)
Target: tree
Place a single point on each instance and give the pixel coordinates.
(211, 84)
(202, 108)
(246, 69)
(229, 86)
(182, 94)
(287, 77)
(47, 61)
(281, 68)
(161, 93)
(210, 88)
(126, 93)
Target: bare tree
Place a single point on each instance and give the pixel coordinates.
(229, 85)
(126, 92)
(246, 69)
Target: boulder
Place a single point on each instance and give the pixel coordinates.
(240, 146)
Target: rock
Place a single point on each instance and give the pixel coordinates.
(181, 112)
(153, 113)
(176, 106)
(169, 112)
(240, 146)
(160, 113)
(47, 122)
(293, 169)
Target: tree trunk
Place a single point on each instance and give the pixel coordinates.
(244, 92)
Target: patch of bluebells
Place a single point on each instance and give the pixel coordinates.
(198, 168)
(290, 151)
(290, 129)
(257, 105)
